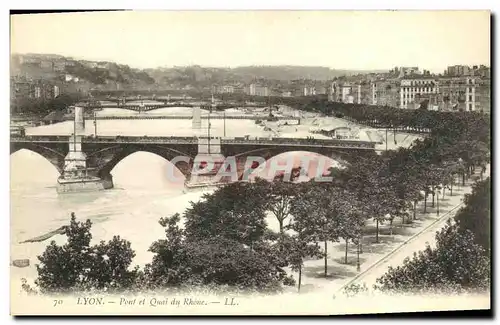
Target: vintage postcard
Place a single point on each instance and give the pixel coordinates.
(250, 162)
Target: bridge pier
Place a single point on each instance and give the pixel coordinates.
(76, 176)
(206, 164)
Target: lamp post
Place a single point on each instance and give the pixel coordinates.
(358, 266)
(209, 124)
(437, 202)
(394, 126)
(386, 137)
(74, 132)
(95, 123)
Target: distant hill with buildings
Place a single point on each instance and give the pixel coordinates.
(297, 72)
(51, 67)
(248, 74)
(112, 76)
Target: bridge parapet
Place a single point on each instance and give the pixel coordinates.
(189, 117)
(194, 140)
(40, 138)
(301, 142)
(141, 139)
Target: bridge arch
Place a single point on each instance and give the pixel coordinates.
(310, 163)
(54, 156)
(106, 159)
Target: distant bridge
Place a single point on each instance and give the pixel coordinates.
(140, 107)
(186, 117)
(141, 104)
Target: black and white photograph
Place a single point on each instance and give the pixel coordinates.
(250, 162)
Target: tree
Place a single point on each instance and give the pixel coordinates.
(457, 264)
(475, 215)
(222, 261)
(298, 247)
(110, 265)
(316, 215)
(405, 181)
(169, 266)
(77, 266)
(366, 180)
(279, 198)
(351, 222)
(235, 211)
(181, 261)
(381, 195)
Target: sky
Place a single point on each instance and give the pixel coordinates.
(359, 40)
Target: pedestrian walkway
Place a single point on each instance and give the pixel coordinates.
(419, 241)
(376, 257)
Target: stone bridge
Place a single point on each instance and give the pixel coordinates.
(141, 104)
(102, 154)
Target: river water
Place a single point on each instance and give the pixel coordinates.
(142, 194)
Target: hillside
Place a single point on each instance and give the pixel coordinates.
(56, 67)
(295, 72)
(247, 74)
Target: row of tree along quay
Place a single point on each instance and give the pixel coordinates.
(460, 262)
(225, 243)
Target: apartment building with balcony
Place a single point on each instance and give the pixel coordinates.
(483, 95)
(413, 89)
(458, 93)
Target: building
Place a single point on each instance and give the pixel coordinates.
(104, 65)
(458, 71)
(309, 91)
(344, 92)
(257, 90)
(69, 63)
(57, 91)
(21, 89)
(457, 93)
(407, 71)
(224, 89)
(46, 64)
(347, 92)
(483, 95)
(69, 77)
(38, 92)
(89, 64)
(58, 66)
(415, 89)
(321, 90)
(386, 93)
(334, 92)
(481, 71)
(31, 61)
(365, 93)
